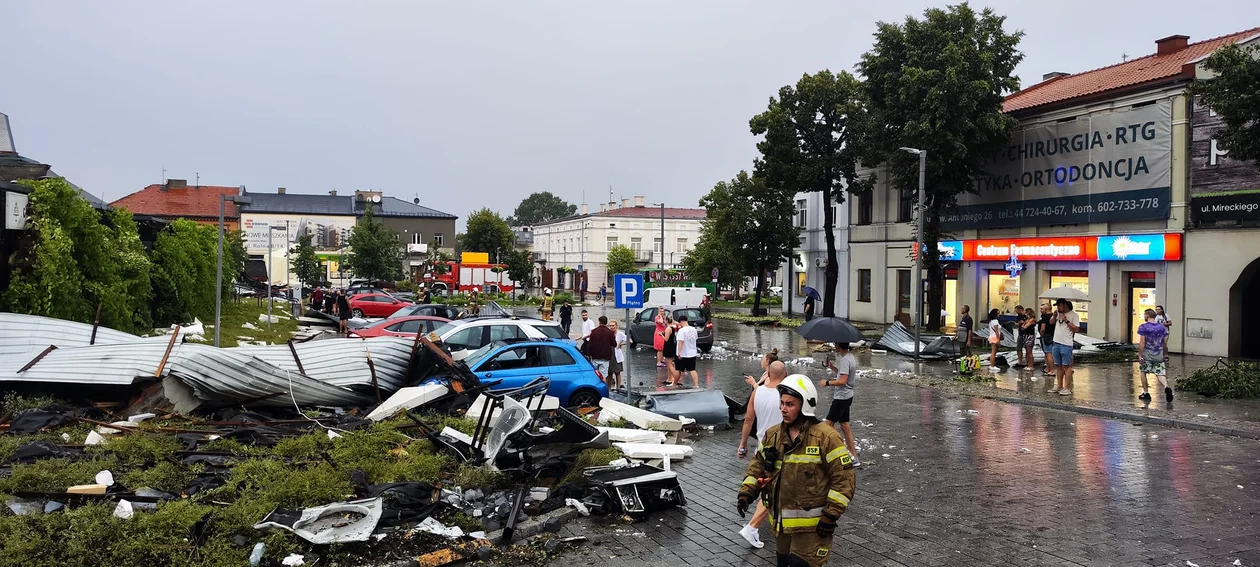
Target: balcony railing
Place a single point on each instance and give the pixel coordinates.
(643, 255)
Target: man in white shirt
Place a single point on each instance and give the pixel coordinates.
(1066, 325)
(588, 325)
(687, 351)
(619, 356)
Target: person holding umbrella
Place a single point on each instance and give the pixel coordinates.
(811, 296)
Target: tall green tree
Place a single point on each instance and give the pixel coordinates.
(539, 208)
(184, 256)
(235, 258)
(135, 269)
(754, 221)
(713, 251)
(811, 137)
(306, 264)
(374, 253)
(1235, 95)
(436, 260)
(520, 267)
(69, 262)
(486, 231)
(937, 84)
(620, 261)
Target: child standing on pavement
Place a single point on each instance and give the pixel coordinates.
(842, 400)
(1153, 337)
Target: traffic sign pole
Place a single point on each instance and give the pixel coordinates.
(627, 294)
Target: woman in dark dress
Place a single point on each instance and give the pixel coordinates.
(671, 350)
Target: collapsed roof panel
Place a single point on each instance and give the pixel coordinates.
(21, 333)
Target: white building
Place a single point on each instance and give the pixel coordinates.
(583, 240)
(810, 266)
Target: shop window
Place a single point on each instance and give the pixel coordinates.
(905, 207)
(864, 285)
(1076, 279)
(866, 208)
(1003, 293)
(903, 291)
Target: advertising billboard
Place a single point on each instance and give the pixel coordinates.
(1128, 247)
(1221, 188)
(327, 232)
(1103, 167)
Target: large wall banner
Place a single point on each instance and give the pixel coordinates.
(327, 232)
(1221, 188)
(1104, 167)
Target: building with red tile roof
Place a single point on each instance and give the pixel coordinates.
(176, 199)
(1172, 62)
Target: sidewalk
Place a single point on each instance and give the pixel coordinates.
(1103, 389)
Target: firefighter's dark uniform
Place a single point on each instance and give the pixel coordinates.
(813, 484)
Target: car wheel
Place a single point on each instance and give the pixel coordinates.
(584, 398)
(356, 313)
(705, 348)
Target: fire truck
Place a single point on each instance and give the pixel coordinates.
(473, 270)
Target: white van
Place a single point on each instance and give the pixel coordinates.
(666, 296)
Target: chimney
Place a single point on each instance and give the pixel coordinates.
(6, 136)
(1171, 44)
(1054, 75)
(175, 184)
(638, 200)
(625, 203)
(332, 192)
(603, 207)
(584, 211)
(279, 190)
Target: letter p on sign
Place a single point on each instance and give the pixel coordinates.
(628, 289)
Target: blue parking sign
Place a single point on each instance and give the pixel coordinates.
(628, 291)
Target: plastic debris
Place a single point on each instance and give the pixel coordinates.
(1191, 564)
(1240, 487)
(124, 510)
(293, 560)
(333, 434)
(973, 412)
(256, 556)
(435, 527)
(339, 522)
(22, 506)
(580, 507)
(65, 437)
(53, 506)
(1238, 562)
(1025, 450)
(140, 417)
(250, 326)
(1200, 415)
(886, 455)
(105, 477)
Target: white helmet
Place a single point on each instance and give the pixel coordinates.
(547, 291)
(801, 386)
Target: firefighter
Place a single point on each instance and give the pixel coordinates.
(804, 475)
(546, 304)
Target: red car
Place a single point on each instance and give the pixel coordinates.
(400, 327)
(375, 305)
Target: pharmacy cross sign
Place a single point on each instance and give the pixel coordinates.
(1013, 266)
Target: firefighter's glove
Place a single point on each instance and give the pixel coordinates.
(826, 527)
(742, 506)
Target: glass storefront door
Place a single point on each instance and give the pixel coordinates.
(1076, 279)
(1003, 293)
(1141, 298)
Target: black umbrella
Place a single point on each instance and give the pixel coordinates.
(830, 330)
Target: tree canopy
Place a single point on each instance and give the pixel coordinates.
(306, 264)
(539, 208)
(486, 231)
(375, 253)
(620, 261)
(1235, 95)
(937, 84)
(520, 267)
(812, 134)
(184, 260)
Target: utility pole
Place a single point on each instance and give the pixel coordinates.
(917, 304)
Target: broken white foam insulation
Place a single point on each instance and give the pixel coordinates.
(611, 409)
(105, 477)
(650, 451)
(407, 398)
(140, 417)
(457, 435)
(124, 510)
(111, 431)
(293, 560)
(622, 435)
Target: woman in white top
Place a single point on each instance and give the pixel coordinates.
(763, 406)
(995, 336)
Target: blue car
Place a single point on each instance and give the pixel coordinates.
(573, 378)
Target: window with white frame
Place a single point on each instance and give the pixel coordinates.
(417, 238)
(636, 243)
(612, 241)
(656, 244)
(800, 213)
(437, 237)
(682, 244)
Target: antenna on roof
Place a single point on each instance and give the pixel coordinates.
(198, 182)
(164, 176)
(1124, 57)
(417, 199)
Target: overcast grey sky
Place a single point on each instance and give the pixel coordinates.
(469, 104)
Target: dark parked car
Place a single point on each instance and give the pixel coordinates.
(644, 325)
(430, 309)
(400, 327)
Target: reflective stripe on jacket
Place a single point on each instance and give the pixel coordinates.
(808, 478)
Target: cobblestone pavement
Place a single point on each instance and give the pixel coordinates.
(965, 481)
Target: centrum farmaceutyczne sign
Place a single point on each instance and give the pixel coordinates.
(1221, 188)
(1101, 167)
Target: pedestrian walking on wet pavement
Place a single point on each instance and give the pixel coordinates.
(805, 475)
(995, 337)
(1152, 346)
(1066, 325)
(809, 307)
(658, 338)
(763, 409)
(603, 293)
(1163, 319)
(600, 344)
(1027, 327)
(688, 352)
(845, 368)
(566, 318)
(966, 327)
(1046, 327)
(343, 311)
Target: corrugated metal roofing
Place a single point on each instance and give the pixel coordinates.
(343, 362)
(110, 365)
(22, 333)
(224, 375)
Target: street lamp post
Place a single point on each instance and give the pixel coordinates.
(660, 263)
(918, 257)
(218, 270)
(270, 230)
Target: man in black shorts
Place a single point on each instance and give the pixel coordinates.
(845, 368)
(1046, 326)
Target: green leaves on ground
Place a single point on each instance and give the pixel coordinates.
(374, 252)
(1236, 380)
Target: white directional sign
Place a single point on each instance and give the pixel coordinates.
(628, 291)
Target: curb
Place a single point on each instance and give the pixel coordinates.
(1246, 433)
